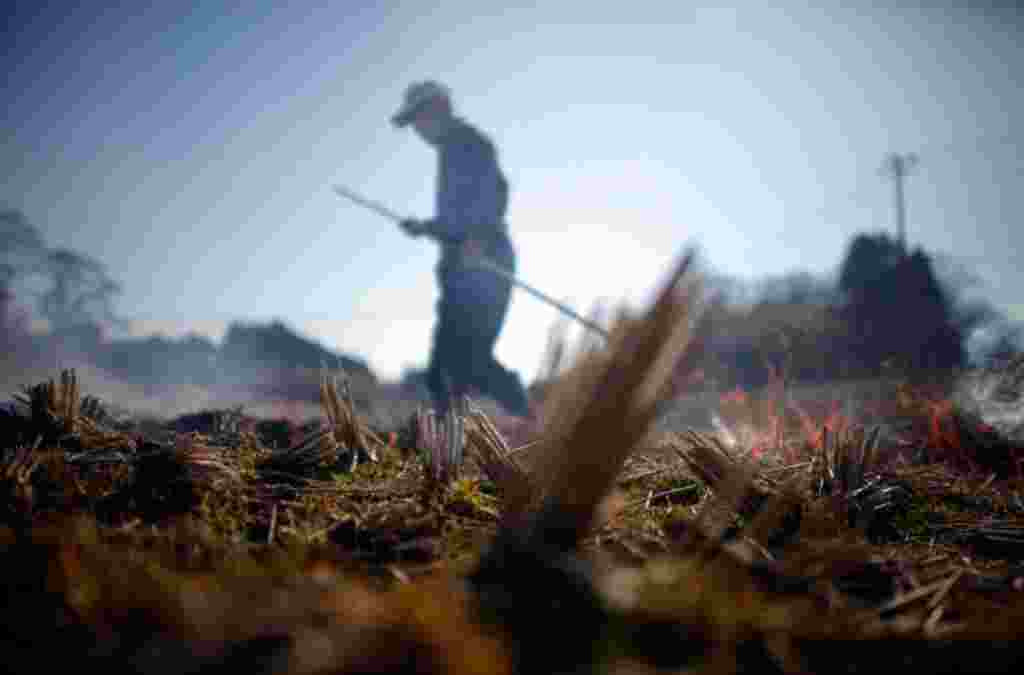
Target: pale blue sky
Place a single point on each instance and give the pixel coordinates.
(193, 151)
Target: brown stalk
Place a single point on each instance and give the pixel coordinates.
(348, 431)
(620, 406)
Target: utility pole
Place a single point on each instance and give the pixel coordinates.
(897, 167)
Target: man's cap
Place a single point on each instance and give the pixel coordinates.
(417, 95)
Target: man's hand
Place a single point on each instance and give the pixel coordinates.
(413, 227)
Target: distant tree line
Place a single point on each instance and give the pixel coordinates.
(888, 311)
(75, 295)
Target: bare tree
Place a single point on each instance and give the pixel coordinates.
(81, 294)
(21, 246)
(21, 250)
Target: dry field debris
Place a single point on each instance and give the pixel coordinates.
(807, 543)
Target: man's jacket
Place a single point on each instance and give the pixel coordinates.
(472, 195)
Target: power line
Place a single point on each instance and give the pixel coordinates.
(862, 198)
(976, 142)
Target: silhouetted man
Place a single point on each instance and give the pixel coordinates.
(469, 221)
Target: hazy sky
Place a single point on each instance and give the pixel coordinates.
(192, 150)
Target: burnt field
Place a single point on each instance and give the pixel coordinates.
(841, 527)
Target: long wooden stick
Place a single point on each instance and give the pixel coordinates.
(479, 262)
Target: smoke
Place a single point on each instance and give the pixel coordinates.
(995, 396)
